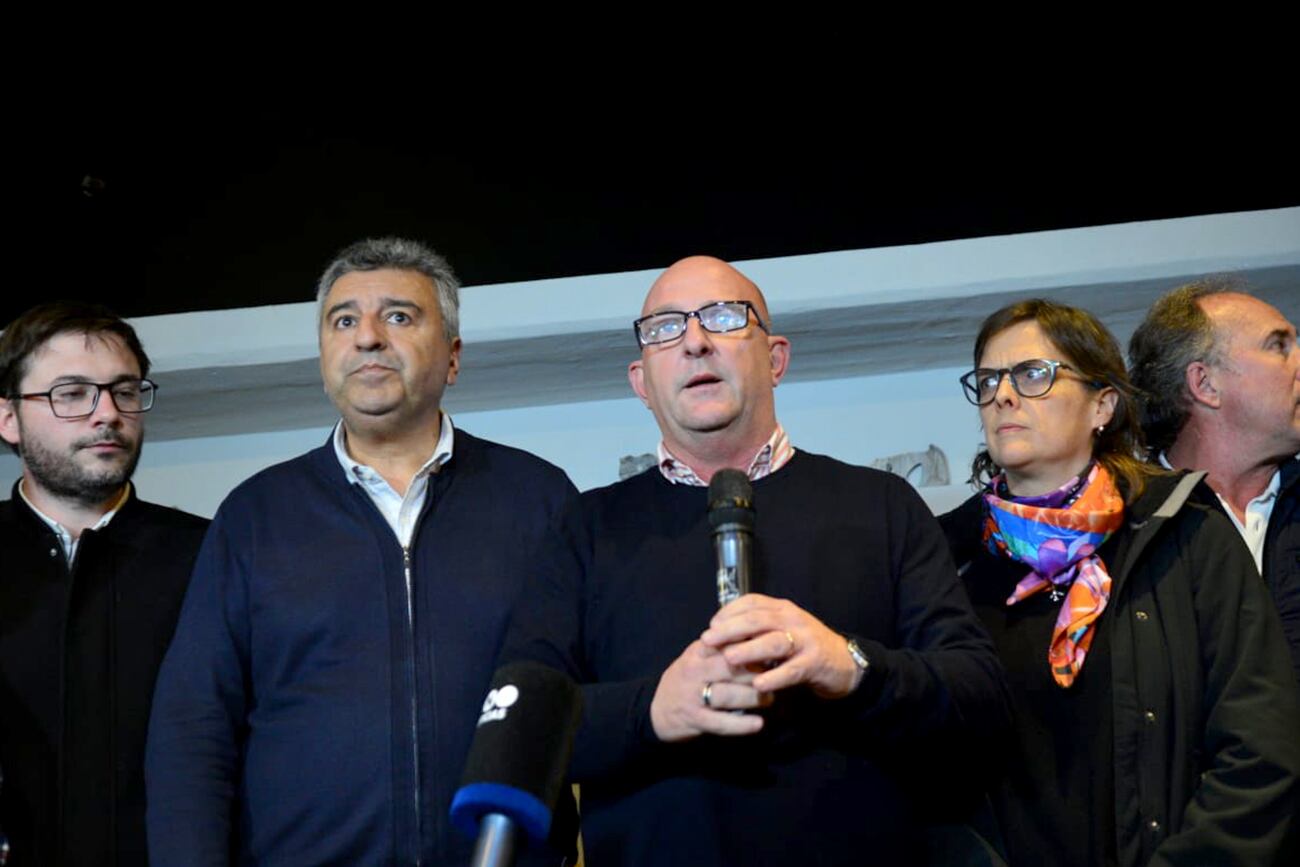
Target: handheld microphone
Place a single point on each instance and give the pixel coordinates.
(731, 514)
(518, 761)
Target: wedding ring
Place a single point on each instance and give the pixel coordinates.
(706, 694)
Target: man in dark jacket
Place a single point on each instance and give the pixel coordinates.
(810, 721)
(91, 582)
(1219, 372)
(341, 629)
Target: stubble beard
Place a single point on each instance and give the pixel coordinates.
(65, 477)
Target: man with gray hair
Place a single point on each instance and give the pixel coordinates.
(1219, 373)
(347, 607)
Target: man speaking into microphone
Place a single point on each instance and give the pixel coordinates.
(806, 721)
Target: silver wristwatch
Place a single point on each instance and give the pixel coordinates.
(859, 658)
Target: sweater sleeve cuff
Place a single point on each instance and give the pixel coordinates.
(643, 730)
(616, 732)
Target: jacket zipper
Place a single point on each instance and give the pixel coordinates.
(415, 693)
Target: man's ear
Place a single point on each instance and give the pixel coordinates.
(778, 350)
(1202, 384)
(9, 422)
(453, 369)
(636, 378)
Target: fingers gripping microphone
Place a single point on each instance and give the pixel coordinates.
(731, 514)
(518, 761)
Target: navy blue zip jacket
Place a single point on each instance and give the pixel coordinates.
(309, 710)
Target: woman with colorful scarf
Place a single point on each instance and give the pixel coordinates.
(1156, 718)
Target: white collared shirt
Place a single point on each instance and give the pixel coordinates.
(400, 512)
(1258, 511)
(66, 539)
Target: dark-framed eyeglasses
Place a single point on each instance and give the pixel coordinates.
(80, 399)
(1032, 378)
(717, 318)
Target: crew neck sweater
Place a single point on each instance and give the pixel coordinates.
(628, 584)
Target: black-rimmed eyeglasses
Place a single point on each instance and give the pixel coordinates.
(718, 318)
(80, 399)
(1032, 378)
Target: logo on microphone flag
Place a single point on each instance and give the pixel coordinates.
(497, 703)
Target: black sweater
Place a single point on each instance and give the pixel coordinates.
(79, 652)
(629, 583)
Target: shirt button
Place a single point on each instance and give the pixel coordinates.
(1154, 824)
(1141, 615)
(54, 552)
(1149, 716)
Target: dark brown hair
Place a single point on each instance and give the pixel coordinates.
(30, 331)
(1093, 352)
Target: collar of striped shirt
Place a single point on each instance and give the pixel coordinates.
(774, 454)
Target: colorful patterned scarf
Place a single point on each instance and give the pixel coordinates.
(1056, 539)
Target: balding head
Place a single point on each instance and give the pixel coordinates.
(1229, 311)
(1218, 367)
(711, 393)
(1254, 388)
(695, 271)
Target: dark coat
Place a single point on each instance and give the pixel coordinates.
(79, 652)
(1282, 557)
(1281, 553)
(1205, 710)
(318, 702)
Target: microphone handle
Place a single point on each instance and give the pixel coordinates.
(732, 543)
(496, 842)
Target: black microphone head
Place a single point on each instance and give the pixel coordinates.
(519, 758)
(731, 499)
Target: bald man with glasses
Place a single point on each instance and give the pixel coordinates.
(808, 721)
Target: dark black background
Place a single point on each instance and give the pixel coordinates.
(204, 199)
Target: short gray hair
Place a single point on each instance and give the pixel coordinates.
(1176, 332)
(400, 254)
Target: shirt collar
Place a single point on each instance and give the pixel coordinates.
(59, 529)
(1273, 489)
(774, 454)
(1270, 492)
(358, 473)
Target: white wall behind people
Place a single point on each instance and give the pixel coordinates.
(856, 420)
(879, 340)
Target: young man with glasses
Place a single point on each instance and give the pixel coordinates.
(806, 722)
(91, 582)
